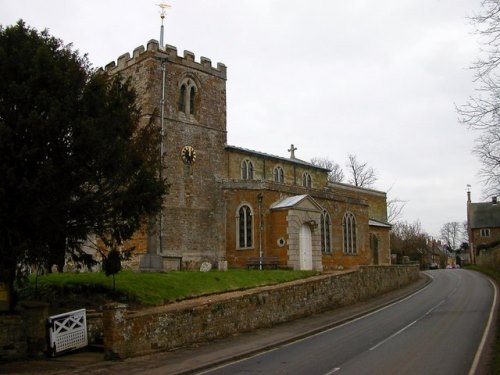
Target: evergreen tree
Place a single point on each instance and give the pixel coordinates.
(112, 264)
(74, 159)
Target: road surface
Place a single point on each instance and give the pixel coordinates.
(437, 330)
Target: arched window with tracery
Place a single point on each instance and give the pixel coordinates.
(244, 227)
(349, 233)
(278, 175)
(326, 245)
(246, 170)
(306, 180)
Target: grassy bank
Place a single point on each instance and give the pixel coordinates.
(152, 288)
(495, 361)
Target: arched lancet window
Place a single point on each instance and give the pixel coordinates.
(244, 227)
(306, 180)
(187, 96)
(191, 100)
(182, 99)
(326, 246)
(246, 170)
(278, 175)
(349, 233)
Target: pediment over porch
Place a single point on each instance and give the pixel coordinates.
(297, 202)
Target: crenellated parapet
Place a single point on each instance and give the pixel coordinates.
(170, 54)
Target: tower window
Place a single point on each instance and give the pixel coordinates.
(182, 99)
(187, 97)
(191, 100)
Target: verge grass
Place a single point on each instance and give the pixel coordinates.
(495, 360)
(150, 288)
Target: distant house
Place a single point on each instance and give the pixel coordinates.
(483, 223)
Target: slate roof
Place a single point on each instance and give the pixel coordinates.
(288, 160)
(289, 202)
(378, 223)
(485, 215)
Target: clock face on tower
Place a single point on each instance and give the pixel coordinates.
(188, 154)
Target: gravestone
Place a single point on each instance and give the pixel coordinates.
(205, 267)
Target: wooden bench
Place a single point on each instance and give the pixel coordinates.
(262, 261)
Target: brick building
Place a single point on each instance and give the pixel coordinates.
(230, 203)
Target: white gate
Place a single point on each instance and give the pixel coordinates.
(67, 331)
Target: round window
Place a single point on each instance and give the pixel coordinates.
(281, 242)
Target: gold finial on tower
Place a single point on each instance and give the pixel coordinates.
(164, 7)
(163, 12)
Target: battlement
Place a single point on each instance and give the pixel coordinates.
(170, 54)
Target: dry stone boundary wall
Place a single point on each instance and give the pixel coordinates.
(128, 334)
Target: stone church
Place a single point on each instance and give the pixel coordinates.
(228, 203)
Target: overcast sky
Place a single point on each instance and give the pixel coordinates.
(377, 79)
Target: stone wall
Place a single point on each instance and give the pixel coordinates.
(172, 326)
(489, 258)
(25, 334)
(13, 343)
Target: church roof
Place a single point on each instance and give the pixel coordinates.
(288, 160)
(485, 215)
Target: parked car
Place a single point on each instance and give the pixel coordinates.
(433, 266)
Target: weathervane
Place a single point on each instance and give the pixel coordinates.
(163, 12)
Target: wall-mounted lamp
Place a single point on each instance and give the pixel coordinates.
(313, 224)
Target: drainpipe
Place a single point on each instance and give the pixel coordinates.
(260, 197)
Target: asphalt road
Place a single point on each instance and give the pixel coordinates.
(437, 330)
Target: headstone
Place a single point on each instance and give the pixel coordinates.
(222, 266)
(205, 267)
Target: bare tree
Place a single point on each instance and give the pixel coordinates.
(395, 209)
(483, 111)
(336, 173)
(360, 174)
(453, 234)
(408, 239)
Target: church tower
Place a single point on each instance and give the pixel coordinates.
(187, 100)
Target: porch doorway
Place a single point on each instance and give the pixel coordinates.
(305, 250)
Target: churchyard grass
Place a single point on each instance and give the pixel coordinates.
(149, 288)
